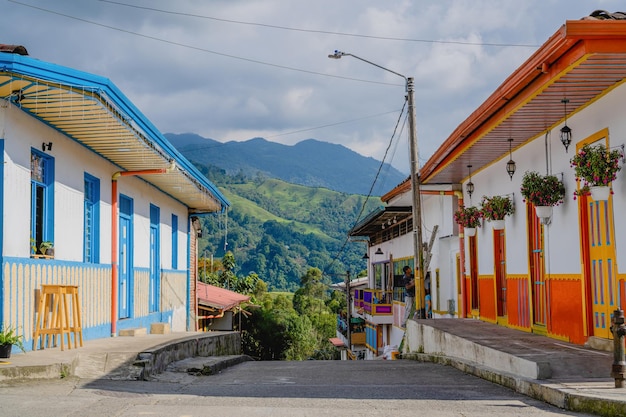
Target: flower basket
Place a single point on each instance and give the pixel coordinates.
(600, 192)
(596, 165)
(497, 207)
(542, 190)
(497, 224)
(543, 212)
(470, 231)
(468, 217)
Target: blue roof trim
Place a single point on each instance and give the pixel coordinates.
(63, 75)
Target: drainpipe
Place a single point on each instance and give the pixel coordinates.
(463, 309)
(114, 235)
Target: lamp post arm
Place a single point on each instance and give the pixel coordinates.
(339, 54)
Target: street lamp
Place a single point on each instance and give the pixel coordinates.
(415, 182)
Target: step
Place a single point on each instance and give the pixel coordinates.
(137, 331)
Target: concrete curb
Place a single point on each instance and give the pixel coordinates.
(552, 394)
(119, 358)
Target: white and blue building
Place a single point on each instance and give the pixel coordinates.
(84, 169)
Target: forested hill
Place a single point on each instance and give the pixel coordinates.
(280, 230)
(310, 163)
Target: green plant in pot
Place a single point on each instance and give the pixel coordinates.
(46, 248)
(8, 339)
(542, 190)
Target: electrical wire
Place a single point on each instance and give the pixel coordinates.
(369, 194)
(196, 48)
(316, 31)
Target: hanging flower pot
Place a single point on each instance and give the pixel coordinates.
(595, 165)
(600, 192)
(542, 190)
(496, 208)
(497, 224)
(469, 218)
(543, 212)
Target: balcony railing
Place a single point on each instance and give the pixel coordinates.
(357, 329)
(377, 302)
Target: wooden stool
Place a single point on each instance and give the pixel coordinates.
(54, 319)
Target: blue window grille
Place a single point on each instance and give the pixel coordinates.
(42, 198)
(91, 248)
(174, 241)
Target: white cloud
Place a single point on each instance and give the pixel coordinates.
(195, 74)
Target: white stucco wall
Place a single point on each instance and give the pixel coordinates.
(71, 160)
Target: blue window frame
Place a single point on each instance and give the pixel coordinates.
(42, 197)
(174, 241)
(91, 246)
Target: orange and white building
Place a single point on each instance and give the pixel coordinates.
(562, 279)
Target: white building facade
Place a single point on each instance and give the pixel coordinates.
(86, 171)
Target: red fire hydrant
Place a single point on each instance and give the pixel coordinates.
(618, 328)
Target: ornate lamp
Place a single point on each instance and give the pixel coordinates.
(566, 132)
(510, 166)
(470, 184)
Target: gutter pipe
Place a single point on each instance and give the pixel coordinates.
(114, 235)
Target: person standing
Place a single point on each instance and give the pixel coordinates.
(408, 280)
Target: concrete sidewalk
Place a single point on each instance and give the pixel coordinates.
(132, 357)
(569, 376)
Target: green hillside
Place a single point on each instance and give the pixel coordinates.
(280, 230)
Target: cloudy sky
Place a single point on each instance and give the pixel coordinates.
(232, 70)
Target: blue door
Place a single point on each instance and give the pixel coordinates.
(155, 271)
(125, 256)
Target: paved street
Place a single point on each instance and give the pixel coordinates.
(277, 389)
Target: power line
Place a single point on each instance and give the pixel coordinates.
(130, 32)
(369, 194)
(354, 35)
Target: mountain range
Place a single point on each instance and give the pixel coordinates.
(311, 163)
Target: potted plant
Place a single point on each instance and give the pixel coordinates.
(8, 338)
(46, 248)
(496, 208)
(469, 218)
(543, 192)
(597, 166)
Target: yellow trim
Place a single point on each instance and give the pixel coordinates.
(558, 337)
(600, 134)
(540, 330)
(503, 321)
(489, 320)
(564, 277)
(516, 327)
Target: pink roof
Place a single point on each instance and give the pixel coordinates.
(219, 298)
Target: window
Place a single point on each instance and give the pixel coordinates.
(174, 241)
(91, 248)
(42, 197)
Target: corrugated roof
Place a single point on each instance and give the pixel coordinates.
(219, 298)
(92, 111)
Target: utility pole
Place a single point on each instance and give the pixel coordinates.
(418, 257)
(418, 250)
(348, 310)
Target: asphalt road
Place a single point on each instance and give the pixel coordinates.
(277, 389)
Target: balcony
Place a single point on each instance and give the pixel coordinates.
(357, 330)
(378, 306)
